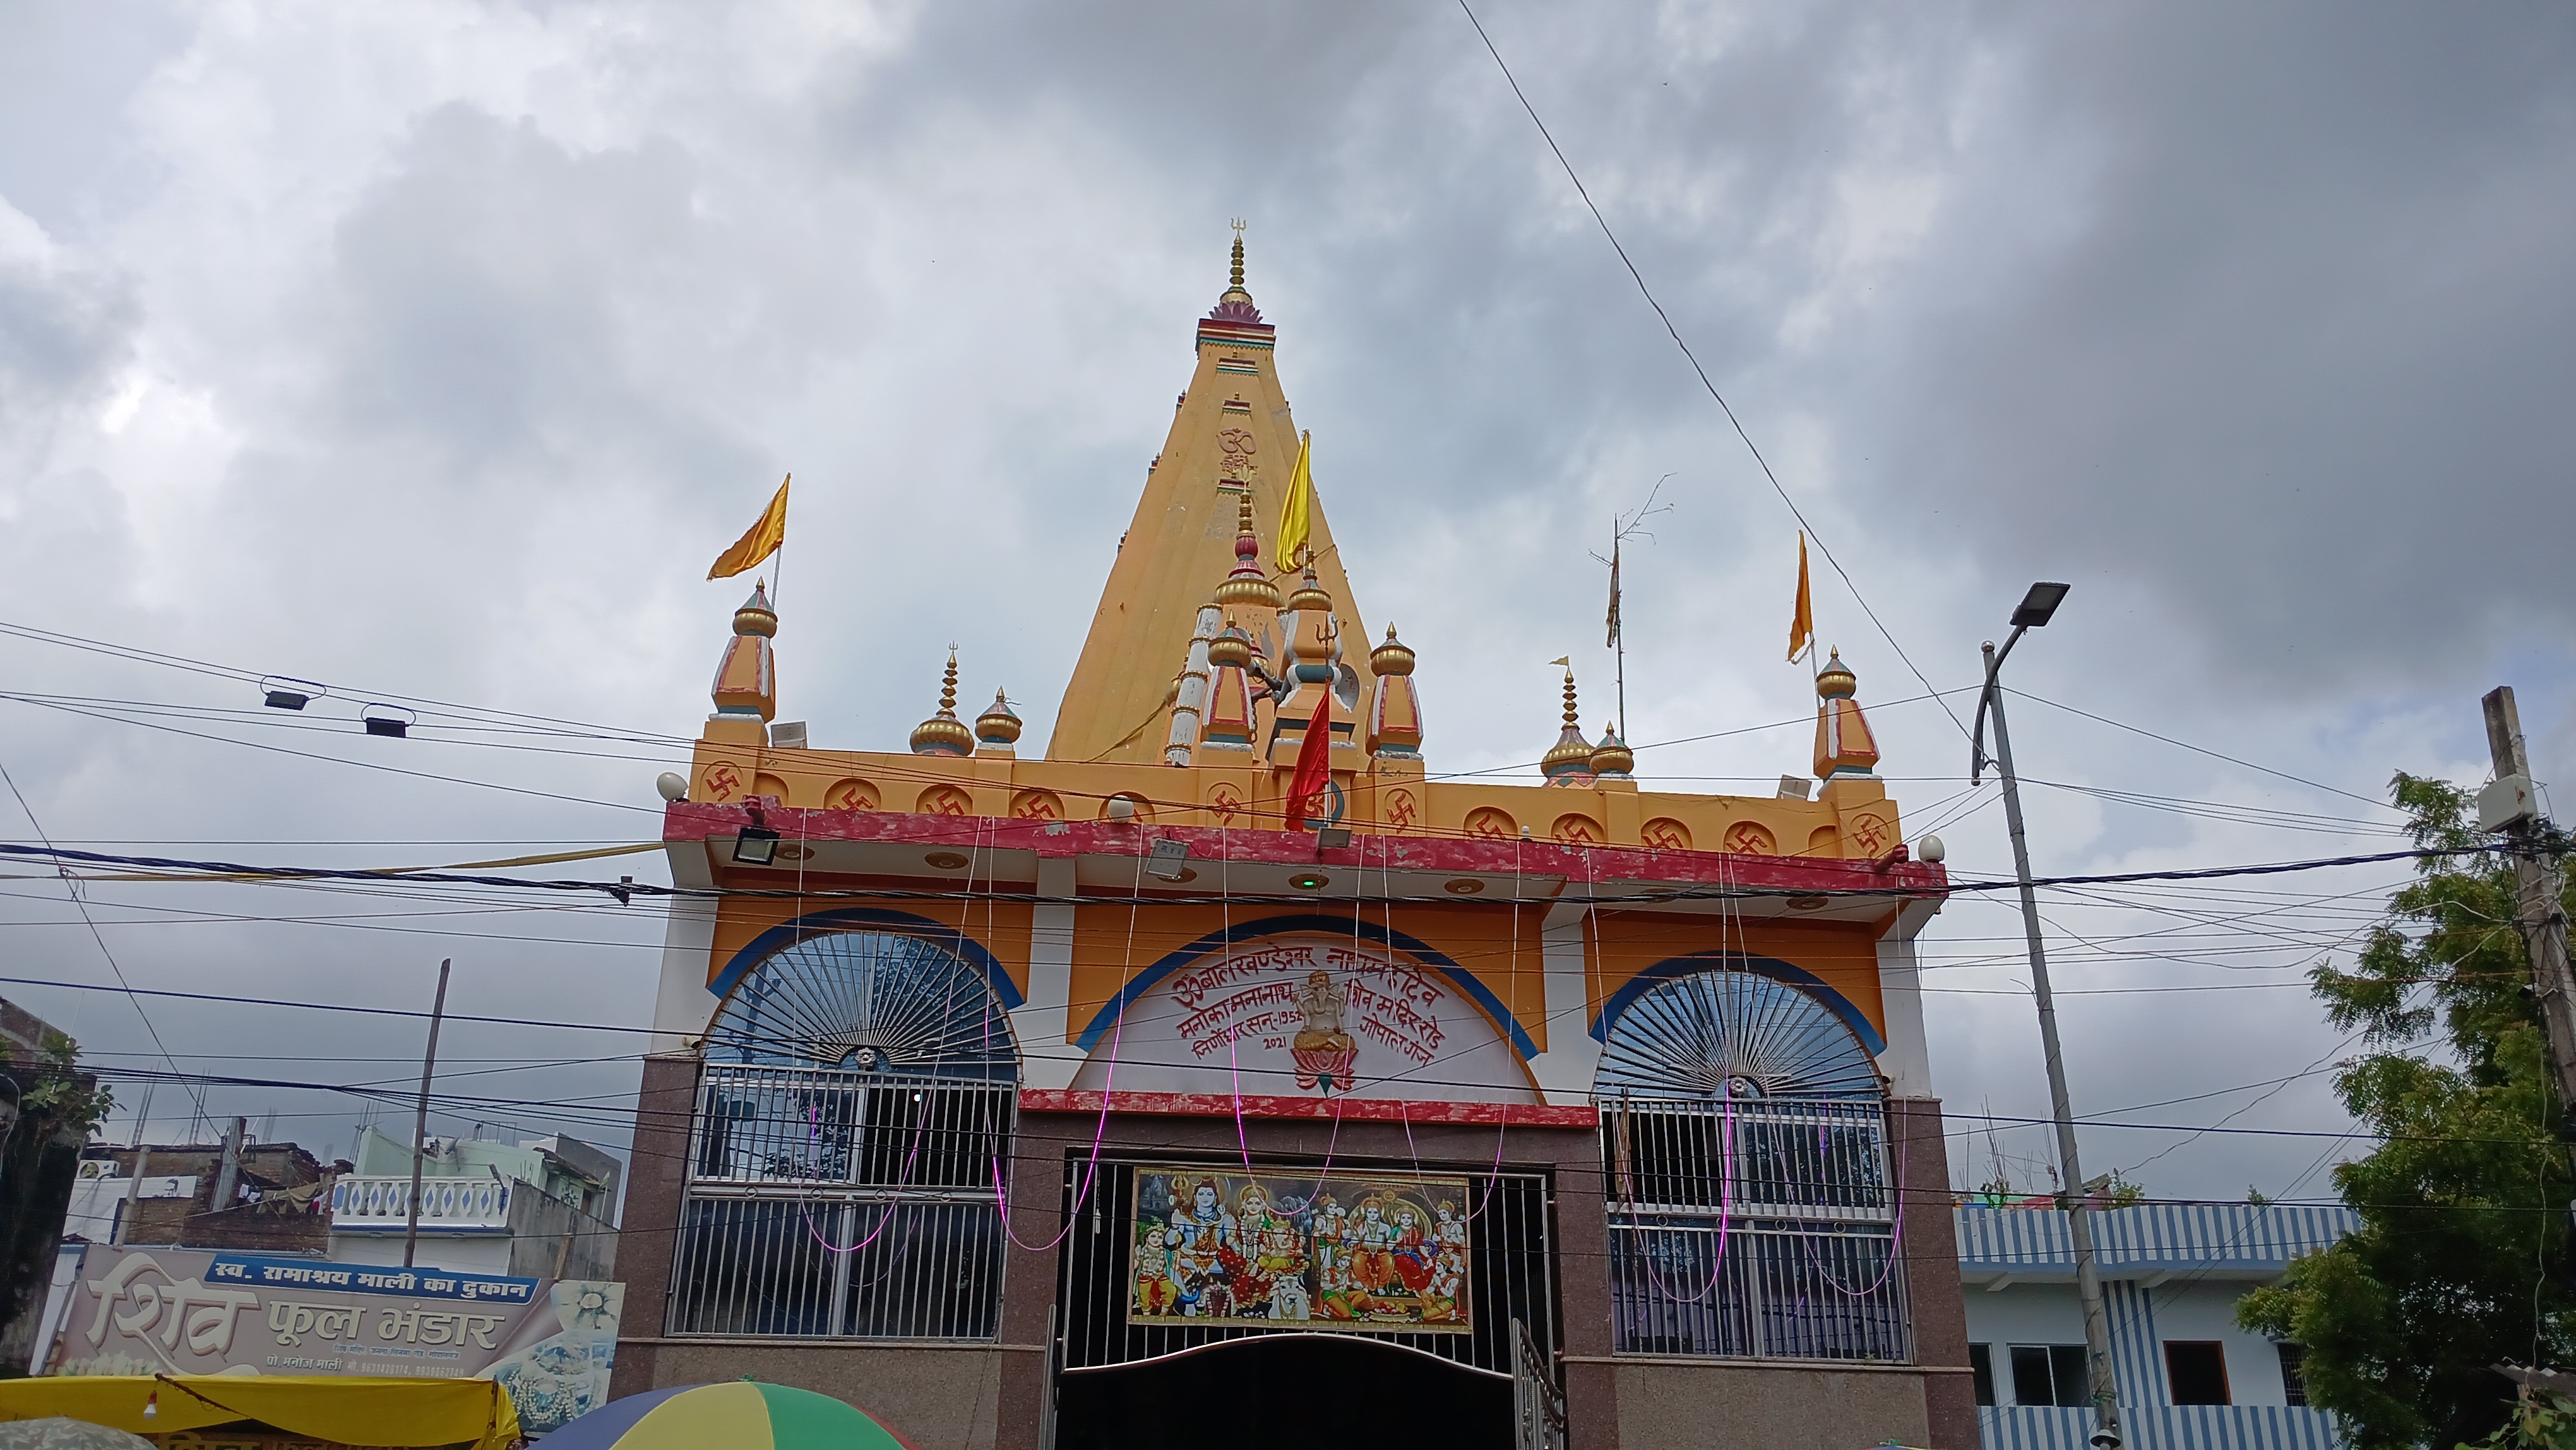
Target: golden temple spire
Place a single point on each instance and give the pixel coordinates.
(944, 733)
(1232, 434)
(1569, 761)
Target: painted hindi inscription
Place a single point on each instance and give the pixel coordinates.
(1304, 1014)
(1215, 1246)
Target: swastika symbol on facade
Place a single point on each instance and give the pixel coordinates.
(1225, 804)
(851, 795)
(1577, 831)
(722, 780)
(1490, 823)
(1037, 805)
(1665, 834)
(944, 800)
(1870, 833)
(1400, 810)
(1748, 839)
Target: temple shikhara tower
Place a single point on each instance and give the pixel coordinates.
(1192, 1081)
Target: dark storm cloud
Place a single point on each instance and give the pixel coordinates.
(2300, 367)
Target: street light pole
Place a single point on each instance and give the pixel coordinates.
(2035, 610)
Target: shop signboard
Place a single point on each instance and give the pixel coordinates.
(148, 1310)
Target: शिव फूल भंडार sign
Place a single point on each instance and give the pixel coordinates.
(1378, 1252)
(145, 1310)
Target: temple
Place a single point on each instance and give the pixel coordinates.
(1122, 1093)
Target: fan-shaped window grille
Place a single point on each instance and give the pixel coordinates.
(856, 1103)
(1736, 1034)
(1744, 1144)
(868, 1002)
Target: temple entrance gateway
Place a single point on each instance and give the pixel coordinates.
(1289, 1301)
(1287, 1392)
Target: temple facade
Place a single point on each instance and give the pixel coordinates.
(1130, 1092)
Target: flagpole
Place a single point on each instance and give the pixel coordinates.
(1619, 633)
(778, 561)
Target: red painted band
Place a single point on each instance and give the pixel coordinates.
(1371, 1110)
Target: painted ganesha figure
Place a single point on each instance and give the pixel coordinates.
(1324, 1052)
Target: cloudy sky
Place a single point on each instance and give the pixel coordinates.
(431, 350)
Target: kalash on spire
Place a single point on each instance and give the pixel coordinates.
(1228, 921)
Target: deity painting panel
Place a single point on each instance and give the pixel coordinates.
(1382, 1253)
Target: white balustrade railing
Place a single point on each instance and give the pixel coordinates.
(382, 1204)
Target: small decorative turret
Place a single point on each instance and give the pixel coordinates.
(1569, 761)
(1311, 648)
(1247, 587)
(746, 685)
(1395, 721)
(944, 733)
(1229, 724)
(998, 726)
(1844, 745)
(1612, 759)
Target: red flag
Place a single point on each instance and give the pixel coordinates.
(1314, 763)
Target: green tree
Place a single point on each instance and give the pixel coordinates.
(2460, 1261)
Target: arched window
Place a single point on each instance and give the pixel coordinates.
(870, 1001)
(856, 1098)
(1744, 1148)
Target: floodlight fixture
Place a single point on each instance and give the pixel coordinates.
(2038, 605)
(284, 692)
(756, 846)
(391, 721)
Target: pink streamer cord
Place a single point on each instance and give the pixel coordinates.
(1099, 1131)
(1725, 1188)
(1895, 1243)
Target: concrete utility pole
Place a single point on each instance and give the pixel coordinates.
(2511, 806)
(420, 1120)
(2035, 610)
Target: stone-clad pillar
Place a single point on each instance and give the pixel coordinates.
(1030, 1277)
(1931, 1249)
(657, 1181)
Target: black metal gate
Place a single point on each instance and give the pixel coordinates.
(1511, 1281)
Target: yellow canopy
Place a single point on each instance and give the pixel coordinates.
(352, 1411)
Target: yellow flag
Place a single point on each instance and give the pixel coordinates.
(761, 542)
(1802, 625)
(1297, 514)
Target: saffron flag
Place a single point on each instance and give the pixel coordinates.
(1613, 640)
(1802, 624)
(761, 542)
(1297, 511)
(1314, 763)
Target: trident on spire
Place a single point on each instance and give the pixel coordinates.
(1239, 225)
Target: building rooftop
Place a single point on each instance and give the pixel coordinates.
(2152, 1242)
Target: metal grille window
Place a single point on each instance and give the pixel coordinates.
(861, 1089)
(1751, 1209)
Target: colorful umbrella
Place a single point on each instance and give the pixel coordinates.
(745, 1414)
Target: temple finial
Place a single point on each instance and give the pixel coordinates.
(944, 733)
(1569, 761)
(1237, 275)
(1844, 745)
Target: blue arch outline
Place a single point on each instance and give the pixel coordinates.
(827, 923)
(1695, 963)
(1421, 951)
